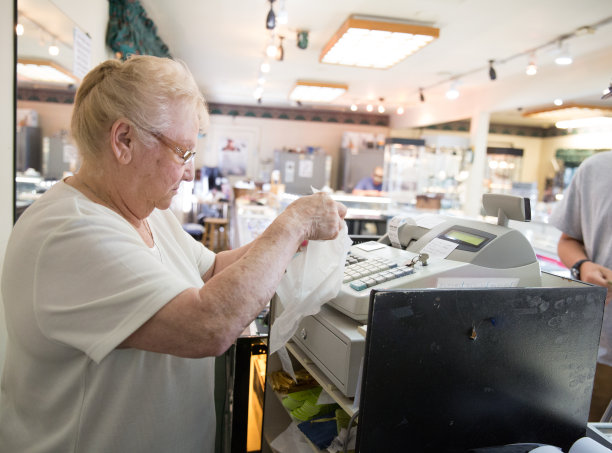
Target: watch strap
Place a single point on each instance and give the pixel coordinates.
(576, 267)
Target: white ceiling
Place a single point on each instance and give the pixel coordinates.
(223, 42)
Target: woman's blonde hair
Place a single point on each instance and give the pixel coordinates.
(141, 89)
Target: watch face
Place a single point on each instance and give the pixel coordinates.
(575, 273)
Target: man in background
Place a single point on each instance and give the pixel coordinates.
(370, 186)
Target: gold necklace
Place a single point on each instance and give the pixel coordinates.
(155, 246)
(149, 231)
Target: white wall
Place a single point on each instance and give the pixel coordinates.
(6, 142)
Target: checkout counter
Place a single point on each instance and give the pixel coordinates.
(446, 336)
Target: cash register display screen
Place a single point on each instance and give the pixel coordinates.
(466, 238)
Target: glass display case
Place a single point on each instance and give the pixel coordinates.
(423, 176)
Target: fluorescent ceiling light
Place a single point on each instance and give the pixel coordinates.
(44, 71)
(375, 42)
(569, 112)
(316, 91)
(578, 123)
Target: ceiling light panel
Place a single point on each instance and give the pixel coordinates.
(317, 91)
(569, 112)
(44, 71)
(375, 43)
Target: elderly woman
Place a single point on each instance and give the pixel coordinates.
(114, 313)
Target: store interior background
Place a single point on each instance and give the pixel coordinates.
(224, 44)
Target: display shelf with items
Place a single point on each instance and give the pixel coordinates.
(312, 403)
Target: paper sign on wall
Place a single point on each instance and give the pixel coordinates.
(305, 169)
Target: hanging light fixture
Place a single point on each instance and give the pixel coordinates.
(265, 67)
(369, 107)
(271, 18)
(372, 42)
(353, 107)
(492, 73)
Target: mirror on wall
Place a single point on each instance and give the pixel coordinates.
(46, 86)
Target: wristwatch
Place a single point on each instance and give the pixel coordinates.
(575, 270)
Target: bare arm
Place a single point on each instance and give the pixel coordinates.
(205, 321)
(571, 251)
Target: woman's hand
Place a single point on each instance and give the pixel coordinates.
(319, 215)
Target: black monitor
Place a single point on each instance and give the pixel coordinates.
(450, 370)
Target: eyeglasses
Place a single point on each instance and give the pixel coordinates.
(185, 154)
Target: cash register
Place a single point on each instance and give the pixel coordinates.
(428, 252)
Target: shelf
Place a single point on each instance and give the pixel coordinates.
(345, 403)
(279, 397)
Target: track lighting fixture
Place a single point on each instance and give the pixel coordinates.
(421, 95)
(453, 91)
(532, 68)
(607, 93)
(563, 57)
(280, 51)
(492, 73)
(271, 18)
(282, 17)
(53, 49)
(271, 48)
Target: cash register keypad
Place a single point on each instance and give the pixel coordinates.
(361, 273)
